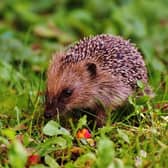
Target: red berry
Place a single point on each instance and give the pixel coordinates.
(33, 159)
(83, 133)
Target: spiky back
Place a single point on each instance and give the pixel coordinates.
(113, 53)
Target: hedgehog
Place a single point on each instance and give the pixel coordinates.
(96, 73)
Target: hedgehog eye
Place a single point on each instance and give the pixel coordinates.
(67, 92)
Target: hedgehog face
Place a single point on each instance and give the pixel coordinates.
(70, 87)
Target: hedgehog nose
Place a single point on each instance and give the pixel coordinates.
(48, 114)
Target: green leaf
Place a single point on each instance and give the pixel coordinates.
(53, 144)
(52, 128)
(117, 163)
(17, 155)
(141, 100)
(123, 135)
(82, 122)
(39, 166)
(84, 159)
(51, 162)
(105, 152)
(140, 84)
(8, 132)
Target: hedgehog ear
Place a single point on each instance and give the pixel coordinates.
(92, 69)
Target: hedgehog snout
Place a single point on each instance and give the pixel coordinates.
(53, 108)
(48, 114)
(50, 111)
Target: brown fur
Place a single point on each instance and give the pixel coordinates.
(89, 86)
(88, 92)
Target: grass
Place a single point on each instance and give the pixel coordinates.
(29, 33)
